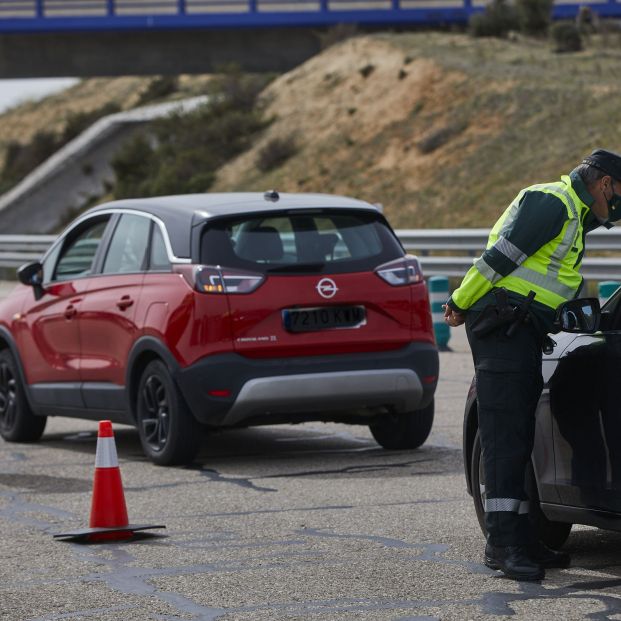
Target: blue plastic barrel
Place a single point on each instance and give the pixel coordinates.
(438, 294)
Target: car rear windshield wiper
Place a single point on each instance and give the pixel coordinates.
(297, 267)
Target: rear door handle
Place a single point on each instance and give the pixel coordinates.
(70, 311)
(125, 302)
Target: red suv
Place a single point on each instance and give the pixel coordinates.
(184, 313)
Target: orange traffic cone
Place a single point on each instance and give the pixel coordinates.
(108, 510)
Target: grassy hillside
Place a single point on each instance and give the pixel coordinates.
(22, 122)
(52, 114)
(442, 129)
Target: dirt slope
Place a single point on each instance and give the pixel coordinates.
(356, 113)
(441, 129)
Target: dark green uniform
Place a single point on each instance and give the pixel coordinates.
(537, 245)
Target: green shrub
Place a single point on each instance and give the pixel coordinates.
(77, 122)
(275, 153)
(158, 88)
(439, 137)
(534, 16)
(22, 159)
(367, 70)
(566, 37)
(238, 91)
(182, 152)
(587, 21)
(132, 165)
(498, 18)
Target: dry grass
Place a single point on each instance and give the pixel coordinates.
(50, 114)
(516, 114)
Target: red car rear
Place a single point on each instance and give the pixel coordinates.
(187, 313)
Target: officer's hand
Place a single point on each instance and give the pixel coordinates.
(452, 317)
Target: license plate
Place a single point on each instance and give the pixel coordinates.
(323, 318)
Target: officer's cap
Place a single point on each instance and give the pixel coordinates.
(606, 161)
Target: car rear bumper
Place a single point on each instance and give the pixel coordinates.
(403, 380)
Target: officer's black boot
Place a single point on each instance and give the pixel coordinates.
(540, 553)
(514, 562)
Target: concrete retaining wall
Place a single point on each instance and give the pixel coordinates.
(49, 195)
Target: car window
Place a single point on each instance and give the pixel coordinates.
(50, 262)
(128, 245)
(158, 259)
(331, 240)
(78, 251)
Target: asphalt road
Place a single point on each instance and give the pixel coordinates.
(310, 522)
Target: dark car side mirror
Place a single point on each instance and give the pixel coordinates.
(32, 274)
(580, 315)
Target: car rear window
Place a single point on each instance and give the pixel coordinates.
(321, 241)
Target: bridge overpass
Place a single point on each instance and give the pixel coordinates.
(43, 38)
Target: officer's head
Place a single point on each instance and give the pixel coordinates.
(601, 172)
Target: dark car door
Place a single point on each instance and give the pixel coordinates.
(585, 401)
(50, 340)
(107, 325)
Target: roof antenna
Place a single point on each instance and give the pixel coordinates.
(272, 196)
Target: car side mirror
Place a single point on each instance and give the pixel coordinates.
(580, 315)
(32, 274)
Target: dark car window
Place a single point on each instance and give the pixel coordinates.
(128, 246)
(158, 259)
(78, 251)
(50, 263)
(326, 241)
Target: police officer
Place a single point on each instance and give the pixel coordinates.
(536, 247)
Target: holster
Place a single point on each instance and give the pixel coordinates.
(494, 316)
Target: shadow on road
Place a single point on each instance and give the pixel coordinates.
(285, 451)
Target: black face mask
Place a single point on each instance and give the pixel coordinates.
(615, 200)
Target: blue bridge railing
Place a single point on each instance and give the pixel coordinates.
(81, 15)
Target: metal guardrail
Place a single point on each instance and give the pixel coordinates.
(15, 250)
(88, 15)
(463, 244)
(475, 240)
(470, 243)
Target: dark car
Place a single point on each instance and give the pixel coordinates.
(188, 313)
(575, 472)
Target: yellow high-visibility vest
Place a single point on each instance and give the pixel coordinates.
(553, 272)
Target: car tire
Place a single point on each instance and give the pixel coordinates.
(17, 421)
(404, 431)
(552, 534)
(169, 433)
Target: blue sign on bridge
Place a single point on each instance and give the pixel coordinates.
(83, 15)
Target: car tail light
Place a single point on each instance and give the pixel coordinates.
(216, 279)
(404, 271)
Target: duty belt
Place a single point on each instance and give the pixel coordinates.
(502, 313)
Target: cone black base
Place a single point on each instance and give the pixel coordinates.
(90, 534)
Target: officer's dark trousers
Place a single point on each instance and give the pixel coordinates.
(509, 383)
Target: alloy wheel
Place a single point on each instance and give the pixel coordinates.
(155, 420)
(8, 397)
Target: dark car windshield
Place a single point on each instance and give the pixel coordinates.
(321, 241)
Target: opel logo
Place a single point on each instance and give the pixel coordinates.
(326, 288)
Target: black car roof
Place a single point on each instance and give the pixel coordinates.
(179, 213)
